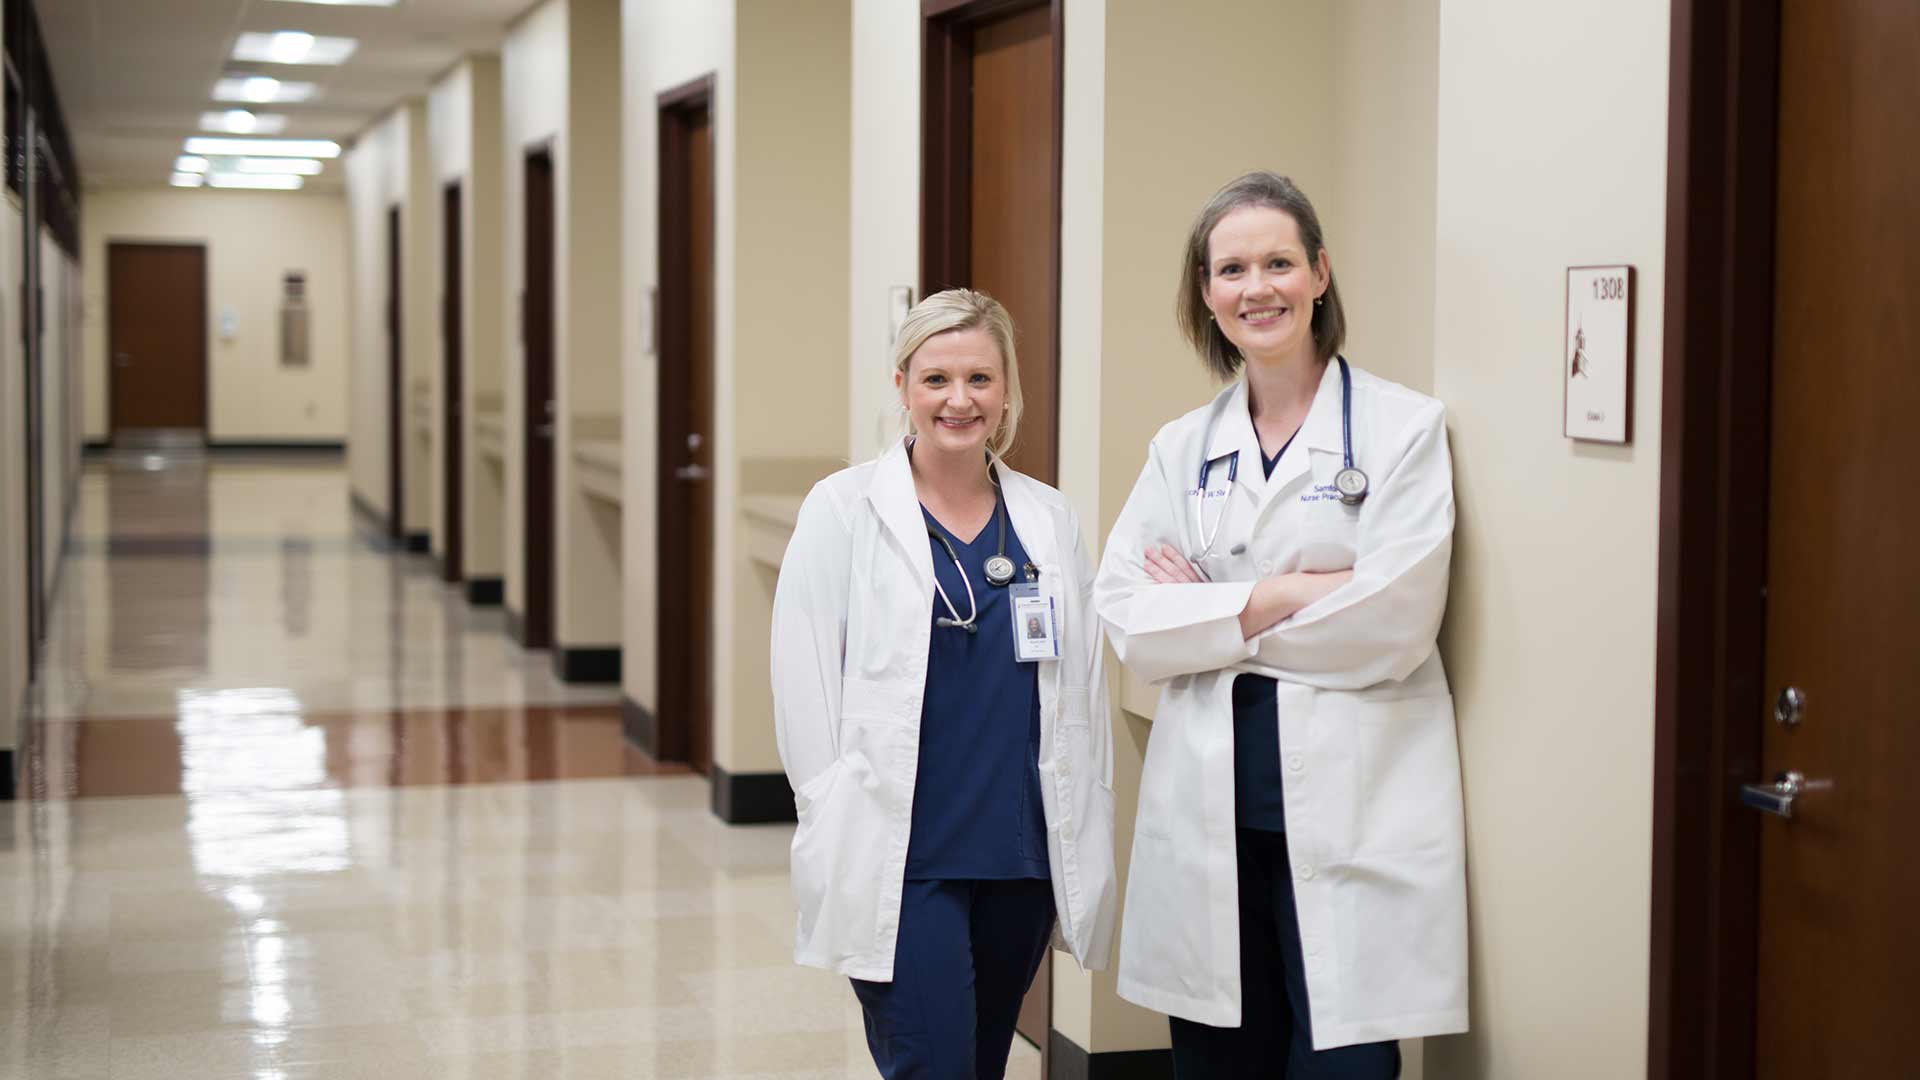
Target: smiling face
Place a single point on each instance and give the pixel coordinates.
(955, 391)
(1261, 285)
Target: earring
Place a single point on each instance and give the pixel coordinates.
(1005, 405)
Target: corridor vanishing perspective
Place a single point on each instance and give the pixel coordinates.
(292, 809)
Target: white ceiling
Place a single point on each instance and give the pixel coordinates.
(134, 75)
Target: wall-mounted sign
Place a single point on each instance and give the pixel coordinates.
(1597, 357)
(899, 302)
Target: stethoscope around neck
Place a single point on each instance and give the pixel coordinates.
(1349, 483)
(998, 568)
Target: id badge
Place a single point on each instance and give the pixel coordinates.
(1036, 627)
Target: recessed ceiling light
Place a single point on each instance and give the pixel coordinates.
(187, 179)
(257, 183)
(308, 148)
(260, 89)
(187, 163)
(278, 166)
(293, 47)
(242, 122)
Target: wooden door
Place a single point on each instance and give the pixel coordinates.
(685, 570)
(157, 335)
(1839, 882)
(452, 384)
(990, 200)
(536, 329)
(396, 390)
(1011, 249)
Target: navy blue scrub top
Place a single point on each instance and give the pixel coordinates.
(1258, 801)
(976, 801)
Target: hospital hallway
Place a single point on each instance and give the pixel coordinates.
(291, 808)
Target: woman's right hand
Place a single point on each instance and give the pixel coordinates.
(1278, 597)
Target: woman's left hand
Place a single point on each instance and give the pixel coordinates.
(1165, 565)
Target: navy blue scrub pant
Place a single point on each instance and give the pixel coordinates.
(1275, 1036)
(966, 954)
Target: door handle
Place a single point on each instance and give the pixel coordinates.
(690, 473)
(1778, 797)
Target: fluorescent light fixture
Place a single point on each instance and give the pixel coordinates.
(211, 146)
(187, 179)
(260, 89)
(190, 164)
(278, 166)
(258, 183)
(293, 47)
(242, 122)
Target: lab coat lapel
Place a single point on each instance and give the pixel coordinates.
(896, 502)
(1321, 430)
(1233, 431)
(1029, 518)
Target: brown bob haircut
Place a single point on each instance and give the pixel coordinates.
(1190, 306)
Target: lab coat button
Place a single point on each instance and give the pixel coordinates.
(1305, 872)
(1296, 762)
(1266, 566)
(1315, 965)
(1060, 767)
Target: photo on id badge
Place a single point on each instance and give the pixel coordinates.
(1035, 631)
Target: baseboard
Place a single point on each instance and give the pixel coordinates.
(6, 776)
(751, 798)
(637, 723)
(486, 591)
(516, 627)
(587, 665)
(1068, 1062)
(419, 543)
(95, 447)
(278, 446)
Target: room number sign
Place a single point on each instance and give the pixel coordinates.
(1596, 359)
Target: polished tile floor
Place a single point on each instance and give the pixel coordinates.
(293, 809)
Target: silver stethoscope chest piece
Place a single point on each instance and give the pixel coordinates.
(1352, 486)
(999, 569)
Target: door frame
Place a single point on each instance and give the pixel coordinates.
(113, 346)
(536, 625)
(396, 388)
(946, 149)
(674, 728)
(453, 381)
(1709, 684)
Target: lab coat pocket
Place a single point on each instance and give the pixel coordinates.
(1409, 773)
(1330, 531)
(878, 722)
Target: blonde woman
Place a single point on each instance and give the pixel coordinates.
(950, 766)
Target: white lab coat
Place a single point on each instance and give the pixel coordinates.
(1368, 753)
(851, 625)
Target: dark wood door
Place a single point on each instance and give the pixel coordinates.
(157, 335)
(396, 390)
(452, 389)
(1839, 883)
(536, 328)
(1011, 244)
(685, 570)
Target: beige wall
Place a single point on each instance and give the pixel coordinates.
(788, 396)
(1551, 154)
(388, 166)
(587, 378)
(668, 43)
(463, 125)
(252, 240)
